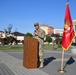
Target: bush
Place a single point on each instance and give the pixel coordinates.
(48, 39)
(28, 34)
(8, 40)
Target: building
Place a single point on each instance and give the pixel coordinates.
(48, 29)
(44, 27)
(19, 37)
(58, 31)
(1, 36)
(74, 24)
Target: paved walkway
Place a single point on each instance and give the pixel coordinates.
(12, 66)
(11, 63)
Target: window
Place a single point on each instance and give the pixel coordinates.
(75, 39)
(75, 27)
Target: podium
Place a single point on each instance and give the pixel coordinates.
(30, 53)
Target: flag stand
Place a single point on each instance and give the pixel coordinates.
(62, 68)
(67, 34)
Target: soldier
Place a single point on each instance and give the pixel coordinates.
(40, 34)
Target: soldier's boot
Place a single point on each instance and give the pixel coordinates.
(41, 65)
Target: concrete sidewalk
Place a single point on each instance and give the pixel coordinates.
(11, 63)
(53, 62)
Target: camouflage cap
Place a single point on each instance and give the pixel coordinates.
(36, 24)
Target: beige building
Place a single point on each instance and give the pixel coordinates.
(45, 28)
(48, 29)
(1, 36)
(19, 36)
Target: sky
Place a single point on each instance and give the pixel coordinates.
(22, 14)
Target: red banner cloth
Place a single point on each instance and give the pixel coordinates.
(68, 34)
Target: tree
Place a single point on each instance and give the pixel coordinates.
(58, 40)
(28, 34)
(9, 28)
(48, 39)
(8, 40)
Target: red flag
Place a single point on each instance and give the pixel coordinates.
(68, 34)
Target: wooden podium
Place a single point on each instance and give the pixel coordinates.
(30, 54)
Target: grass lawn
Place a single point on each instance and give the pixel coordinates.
(51, 47)
(20, 47)
(16, 47)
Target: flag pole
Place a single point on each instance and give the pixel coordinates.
(62, 64)
(65, 42)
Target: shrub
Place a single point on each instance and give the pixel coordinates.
(48, 39)
(28, 34)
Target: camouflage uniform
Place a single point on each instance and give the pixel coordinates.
(40, 37)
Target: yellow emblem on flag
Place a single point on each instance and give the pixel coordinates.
(65, 26)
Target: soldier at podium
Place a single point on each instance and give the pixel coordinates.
(40, 34)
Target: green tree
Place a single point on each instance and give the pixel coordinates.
(8, 40)
(58, 40)
(28, 34)
(48, 39)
